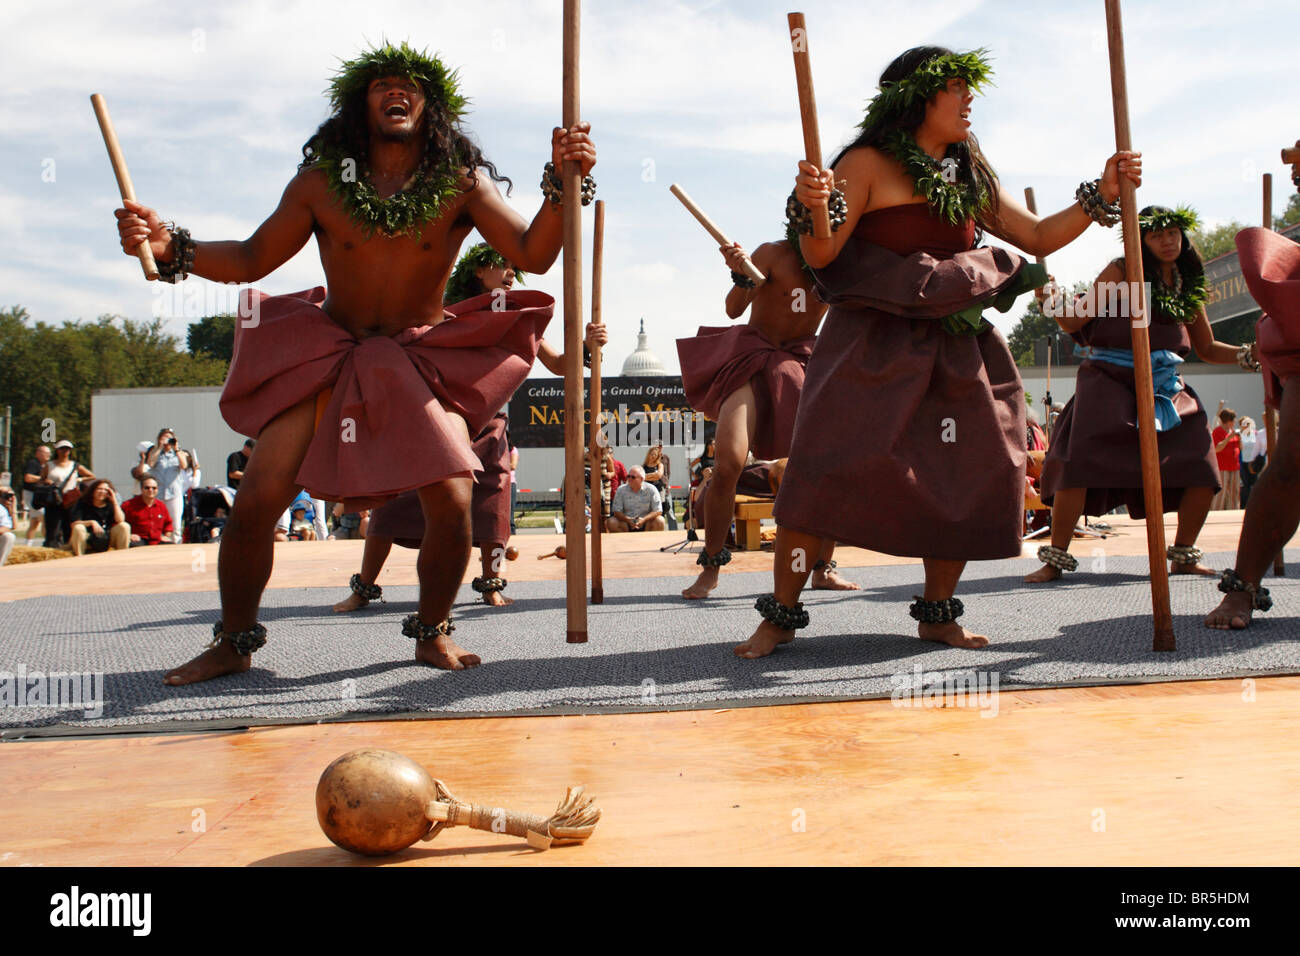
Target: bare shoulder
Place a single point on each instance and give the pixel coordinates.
(865, 161)
(1113, 272)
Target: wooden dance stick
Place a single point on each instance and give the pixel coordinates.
(596, 440)
(1291, 155)
(750, 269)
(1142, 376)
(1032, 206)
(812, 141)
(575, 572)
(1270, 414)
(143, 252)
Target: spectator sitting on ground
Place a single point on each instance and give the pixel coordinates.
(637, 505)
(298, 521)
(7, 507)
(98, 523)
(148, 517)
(32, 472)
(236, 462)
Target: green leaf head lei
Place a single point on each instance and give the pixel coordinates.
(1183, 300)
(887, 122)
(340, 148)
(897, 97)
(464, 284)
(1156, 218)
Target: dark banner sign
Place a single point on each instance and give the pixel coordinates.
(636, 411)
(1229, 296)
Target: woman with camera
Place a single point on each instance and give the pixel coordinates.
(168, 462)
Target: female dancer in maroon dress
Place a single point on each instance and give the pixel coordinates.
(1093, 464)
(905, 362)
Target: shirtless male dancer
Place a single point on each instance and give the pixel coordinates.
(390, 186)
(748, 379)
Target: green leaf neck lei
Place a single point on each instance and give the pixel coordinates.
(1181, 304)
(956, 202)
(423, 199)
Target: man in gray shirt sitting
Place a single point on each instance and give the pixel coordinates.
(637, 505)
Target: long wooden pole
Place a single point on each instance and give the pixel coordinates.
(1032, 206)
(575, 570)
(596, 440)
(1161, 613)
(1270, 414)
(124, 186)
(812, 141)
(1291, 155)
(718, 235)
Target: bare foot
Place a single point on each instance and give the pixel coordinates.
(353, 602)
(951, 633)
(706, 582)
(1233, 612)
(1198, 568)
(824, 580)
(445, 653)
(496, 599)
(1043, 575)
(763, 641)
(213, 662)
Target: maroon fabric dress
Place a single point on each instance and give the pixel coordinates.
(719, 360)
(1270, 264)
(402, 519)
(910, 440)
(1095, 442)
(387, 426)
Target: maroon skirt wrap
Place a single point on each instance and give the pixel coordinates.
(1270, 264)
(403, 518)
(910, 440)
(387, 426)
(1095, 441)
(720, 360)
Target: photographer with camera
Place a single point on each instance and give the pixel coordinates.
(167, 462)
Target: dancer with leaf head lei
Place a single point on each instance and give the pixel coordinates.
(748, 378)
(905, 362)
(366, 391)
(481, 271)
(1093, 464)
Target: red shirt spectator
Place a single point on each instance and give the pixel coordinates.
(1230, 456)
(148, 517)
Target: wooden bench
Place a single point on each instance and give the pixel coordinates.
(749, 513)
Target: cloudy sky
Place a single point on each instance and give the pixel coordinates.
(212, 102)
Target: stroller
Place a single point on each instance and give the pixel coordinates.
(205, 510)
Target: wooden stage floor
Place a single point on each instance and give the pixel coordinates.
(1197, 773)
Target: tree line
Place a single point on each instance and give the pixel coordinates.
(49, 372)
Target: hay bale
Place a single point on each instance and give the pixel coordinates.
(23, 554)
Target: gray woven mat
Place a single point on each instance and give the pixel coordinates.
(648, 648)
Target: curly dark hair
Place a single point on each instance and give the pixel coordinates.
(973, 169)
(445, 141)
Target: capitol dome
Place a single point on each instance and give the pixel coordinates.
(643, 361)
